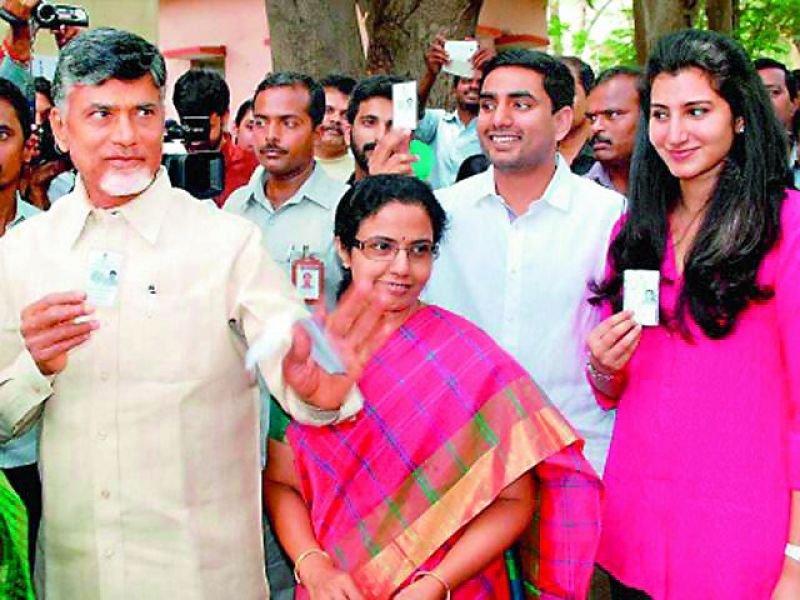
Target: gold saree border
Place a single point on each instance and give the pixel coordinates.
(531, 441)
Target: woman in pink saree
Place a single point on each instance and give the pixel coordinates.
(421, 493)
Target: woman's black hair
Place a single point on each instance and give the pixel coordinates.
(367, 197)
(742, 222)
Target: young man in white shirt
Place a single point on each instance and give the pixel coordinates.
(526, 237)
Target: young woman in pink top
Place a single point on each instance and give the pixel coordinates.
(703, 475)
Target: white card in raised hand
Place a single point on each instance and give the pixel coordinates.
(461, 53)
(102, 281)
(404, 105)
(640, 295)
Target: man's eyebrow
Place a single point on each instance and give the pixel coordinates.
(280, 116)
(514, 94)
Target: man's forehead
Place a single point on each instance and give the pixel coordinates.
(280, 98)
(8, 116)
(117, 91)
(376, 106)
(513, 80)
(332, 94)
(773, 76)
(620, 89)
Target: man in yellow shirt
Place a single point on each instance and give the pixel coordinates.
(124, 333)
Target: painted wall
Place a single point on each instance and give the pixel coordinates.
(238, 25)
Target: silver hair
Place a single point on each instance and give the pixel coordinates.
(98, 55)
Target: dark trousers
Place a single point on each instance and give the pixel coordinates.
(620, 591)
(26, 483)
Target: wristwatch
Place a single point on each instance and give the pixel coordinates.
(793, 551)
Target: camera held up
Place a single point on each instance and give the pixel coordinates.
(191, 166)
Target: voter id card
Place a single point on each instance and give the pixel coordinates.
(102, 282)
(322, 351)
(460, 53)
(641, 295)
(404, 105)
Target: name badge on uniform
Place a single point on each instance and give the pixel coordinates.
(308, 276)
(105, 269)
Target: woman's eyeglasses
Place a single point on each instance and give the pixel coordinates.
(378, 248)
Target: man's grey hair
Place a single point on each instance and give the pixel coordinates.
(97, 55)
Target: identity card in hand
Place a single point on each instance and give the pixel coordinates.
(460, 52)
(404, 105)
(322, 350)
(641, 295)
(102, 282)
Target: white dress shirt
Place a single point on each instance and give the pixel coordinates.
(524, 281)
(149, 445)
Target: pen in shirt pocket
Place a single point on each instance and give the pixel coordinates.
(151, 300)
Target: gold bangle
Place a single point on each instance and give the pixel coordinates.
(304, 555)
(437, 577)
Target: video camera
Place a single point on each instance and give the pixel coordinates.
(53, 16)
(190, 166)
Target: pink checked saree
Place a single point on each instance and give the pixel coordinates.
(449, 420)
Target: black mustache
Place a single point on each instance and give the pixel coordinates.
(333, 127)
(269, 147)
(368, 146)
(599, 138)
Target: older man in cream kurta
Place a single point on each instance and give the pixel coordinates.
(149, 444)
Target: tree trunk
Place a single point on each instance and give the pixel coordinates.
(317, 37)
(655, 18)
(400, 31)
(720, 15)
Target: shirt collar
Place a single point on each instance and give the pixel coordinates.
(558, 193)
(452, 117)
(315, 189)
(145, 212)
(23, 211)
(599, 175)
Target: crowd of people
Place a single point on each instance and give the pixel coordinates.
(393, 363)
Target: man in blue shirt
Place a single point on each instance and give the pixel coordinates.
(451, 135)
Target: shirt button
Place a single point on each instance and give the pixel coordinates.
(104, 376)
(102, 434)
(109, 553)
(105, 494)
(37, 389)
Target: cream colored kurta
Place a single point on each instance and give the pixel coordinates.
(149, 448)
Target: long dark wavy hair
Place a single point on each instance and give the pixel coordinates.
(742, 222)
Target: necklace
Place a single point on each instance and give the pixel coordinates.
(680, 238)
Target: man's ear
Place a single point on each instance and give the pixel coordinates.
(59, 127)
(562, 119)
(223, 120)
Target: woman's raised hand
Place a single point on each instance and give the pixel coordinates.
(612, 343)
